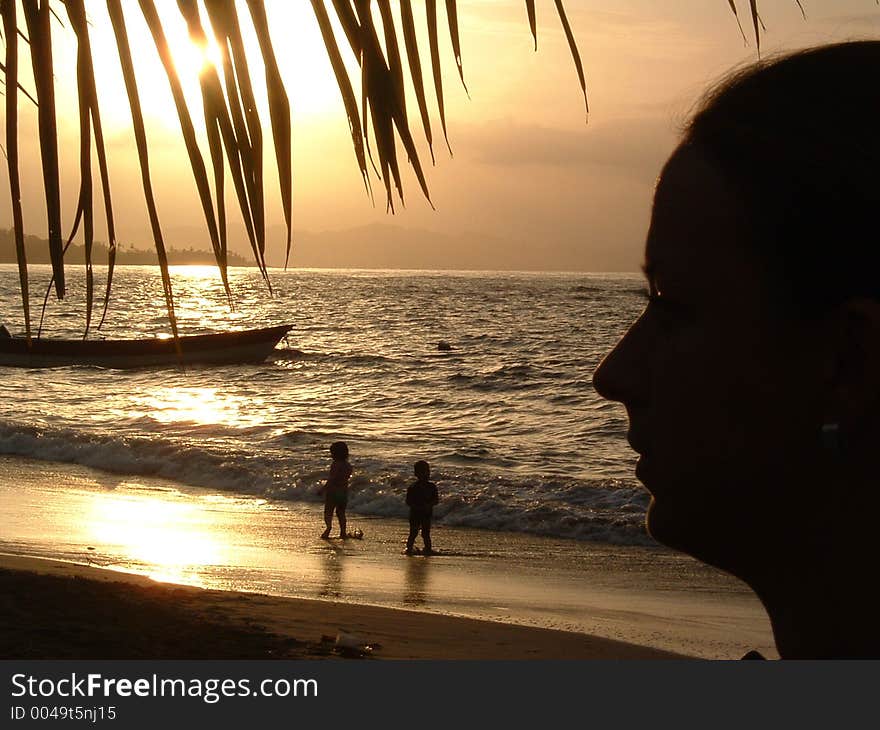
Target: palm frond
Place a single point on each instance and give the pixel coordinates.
(245, 120)
(753, 6)
(117, 19)
(20, 87)
(279, 115)
(37, 17)
(210, 88)
(452, 19)
(11, 71)
(378, 122)
(434, 45)
(85, 80)
(345, 89)
(738, 23)
(533, 20)
(415, 69)
(575, 54)
(187, 130)
(88, 95)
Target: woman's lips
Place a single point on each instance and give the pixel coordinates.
(635, 444)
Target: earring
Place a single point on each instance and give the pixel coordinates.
(831, 438)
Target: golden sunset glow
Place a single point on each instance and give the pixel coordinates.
(194, 59)
(176, 540)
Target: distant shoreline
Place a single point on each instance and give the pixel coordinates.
(144, 258)
(372, 247)
(37, 251)
(294, 267)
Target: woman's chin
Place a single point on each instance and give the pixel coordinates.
(676, 528)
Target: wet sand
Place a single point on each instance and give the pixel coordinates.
(260, 561)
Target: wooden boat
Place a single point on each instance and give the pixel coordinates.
(245, 346)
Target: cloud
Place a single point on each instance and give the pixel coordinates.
(865, 21)
(634, 146)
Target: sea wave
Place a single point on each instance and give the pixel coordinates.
(600, 510)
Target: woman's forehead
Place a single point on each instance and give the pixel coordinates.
(696, 217)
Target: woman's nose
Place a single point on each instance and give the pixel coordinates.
(621, 376)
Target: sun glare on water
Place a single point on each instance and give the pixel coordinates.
(199, 406)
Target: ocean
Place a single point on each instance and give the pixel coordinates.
(517, 439)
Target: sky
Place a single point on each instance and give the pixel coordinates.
(530, 184)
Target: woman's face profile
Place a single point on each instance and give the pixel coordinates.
(715, 380)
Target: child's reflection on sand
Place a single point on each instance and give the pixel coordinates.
(415, 587)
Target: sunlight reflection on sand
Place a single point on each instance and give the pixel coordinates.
(177, 540)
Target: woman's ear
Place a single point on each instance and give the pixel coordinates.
(853, 339)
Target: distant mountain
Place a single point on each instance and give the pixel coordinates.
(376, 246)
(37, 250)
(385, 246)
(373, 246)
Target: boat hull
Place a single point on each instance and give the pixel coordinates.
(247, 346)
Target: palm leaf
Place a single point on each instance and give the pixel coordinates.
(344, 83)
(387, 104)
(753, 5)
(434, 45)
(11, 71)
(452, 18)
(576, 56)
(101, 153)
(245, 122)
(279, 114)
(190, 11)
(533, 23)
(197, 164)
(117, 19)
(220, 127)
(84, 75)
(348, 20)
(377, 93)
(415, 69)
(249, 130)
(37, 17)
(219, 133)
(736, 15)
(20, 87)
(392, 47)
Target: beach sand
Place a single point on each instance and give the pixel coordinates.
(253, 575)
(56, 610)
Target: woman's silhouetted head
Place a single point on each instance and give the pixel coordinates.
(752, 379)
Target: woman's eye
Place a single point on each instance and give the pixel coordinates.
(663, 309)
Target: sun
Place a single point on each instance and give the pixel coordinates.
(193, 59)
(299, 49)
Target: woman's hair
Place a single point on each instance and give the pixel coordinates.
(339, 450)
(798, 139)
